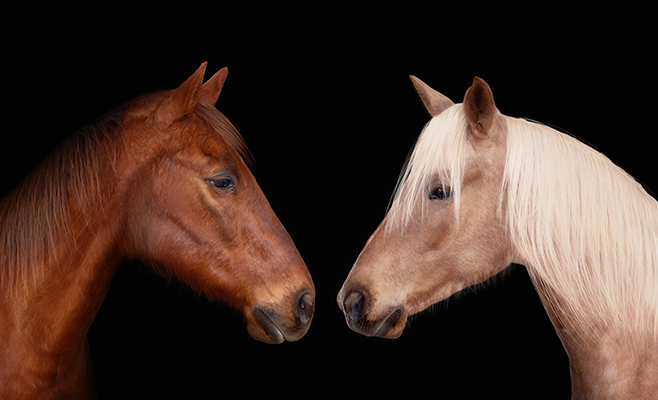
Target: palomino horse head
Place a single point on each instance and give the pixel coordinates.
(445, 229)
(195, 211)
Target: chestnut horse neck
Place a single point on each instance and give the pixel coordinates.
(57, 260)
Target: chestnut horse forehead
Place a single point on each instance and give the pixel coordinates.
(224, 133)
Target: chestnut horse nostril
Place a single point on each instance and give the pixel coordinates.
(354, 306)
(304, 308)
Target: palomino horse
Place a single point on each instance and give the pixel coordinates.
(482, 190)
(163, 180)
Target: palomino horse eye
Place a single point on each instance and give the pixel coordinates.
(440, 193)
(222, 183)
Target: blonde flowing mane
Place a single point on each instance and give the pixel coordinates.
(582, 226)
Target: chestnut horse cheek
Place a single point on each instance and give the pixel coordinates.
(131, 185)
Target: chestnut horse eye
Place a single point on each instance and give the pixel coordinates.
(222, 183)
(440, 193)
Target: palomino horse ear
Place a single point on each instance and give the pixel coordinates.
(211, 89)
(434, 102)
(186, 97)
(480, 108)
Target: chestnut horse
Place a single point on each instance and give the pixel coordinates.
(482, 190)
(164, 180)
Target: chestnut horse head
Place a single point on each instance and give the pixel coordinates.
(197, 213)
(164, 180)
(444, 230)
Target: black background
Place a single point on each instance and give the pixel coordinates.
(324, 102)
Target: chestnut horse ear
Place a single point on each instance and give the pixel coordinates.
(186, 97)
(211, 89)
(480, 108)
(434, 102)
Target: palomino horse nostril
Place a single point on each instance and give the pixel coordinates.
(355, 306)
(305, 307)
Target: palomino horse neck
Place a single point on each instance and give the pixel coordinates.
(162, 180)
(606, 361)
(481, 191)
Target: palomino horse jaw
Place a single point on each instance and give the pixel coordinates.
(356, 305)
(271, 327)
